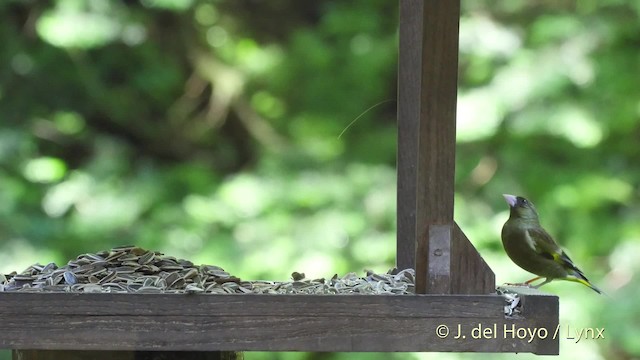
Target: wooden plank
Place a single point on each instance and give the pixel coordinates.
(380, 306)
(157, 322)
(542, 310)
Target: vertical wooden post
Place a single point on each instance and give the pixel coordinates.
(409, 86)
(427, 89)
(428, 239)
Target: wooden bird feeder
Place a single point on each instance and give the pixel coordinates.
(454, 286)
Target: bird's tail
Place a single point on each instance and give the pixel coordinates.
(584, 281)
(576, 274)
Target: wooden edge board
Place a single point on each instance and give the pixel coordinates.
(157, 322)
(522, 290)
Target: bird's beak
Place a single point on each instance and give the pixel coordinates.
(510, 199)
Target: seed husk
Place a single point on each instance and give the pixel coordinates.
(133, 269)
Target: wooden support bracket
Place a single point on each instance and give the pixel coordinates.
(452, 264)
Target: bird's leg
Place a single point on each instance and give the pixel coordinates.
(546, 281)
(532, 280)
(526, 283)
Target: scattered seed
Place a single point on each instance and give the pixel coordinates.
(70, 278)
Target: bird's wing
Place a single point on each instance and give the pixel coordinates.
(545, 245)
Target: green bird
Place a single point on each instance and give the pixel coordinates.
(533, 249)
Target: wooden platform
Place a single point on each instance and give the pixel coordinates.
(139, 322)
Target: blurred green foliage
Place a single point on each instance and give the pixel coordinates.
(209, 130)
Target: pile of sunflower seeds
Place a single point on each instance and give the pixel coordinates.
(513, 306)
(130, 269)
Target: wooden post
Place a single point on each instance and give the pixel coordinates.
(409, 83)
(428, 239)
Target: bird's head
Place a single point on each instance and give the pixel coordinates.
(521, 207)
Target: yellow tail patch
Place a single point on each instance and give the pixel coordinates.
(583, 282)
